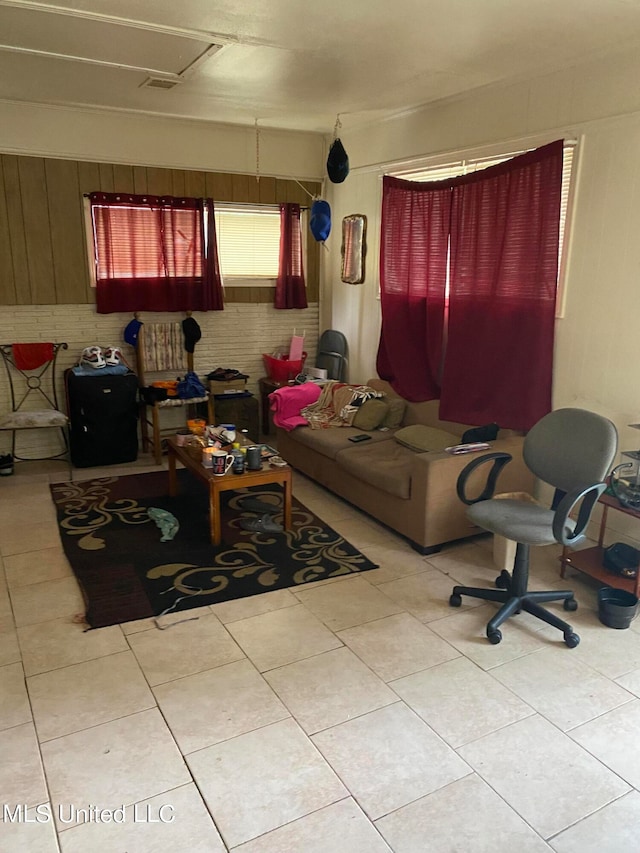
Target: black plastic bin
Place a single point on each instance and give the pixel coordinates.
(616, 607)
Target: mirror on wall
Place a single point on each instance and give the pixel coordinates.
(354, 231)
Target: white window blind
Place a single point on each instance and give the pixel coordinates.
(248, 241)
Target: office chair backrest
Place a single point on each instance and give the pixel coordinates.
(570, 448)
(332, 354)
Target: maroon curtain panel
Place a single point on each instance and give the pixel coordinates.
(413, 269)
(503, 279)
(152, 254)
(290, 286)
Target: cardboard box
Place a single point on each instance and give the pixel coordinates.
(223, 386)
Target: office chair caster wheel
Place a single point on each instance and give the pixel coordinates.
(494, 637)
(455, 600)
(571, 639)
(570, 604)
(503, 580)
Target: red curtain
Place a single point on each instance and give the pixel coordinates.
(504, 267)
(413, 269)
(152, 253)
(290, 286)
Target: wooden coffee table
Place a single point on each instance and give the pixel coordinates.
(229, 482)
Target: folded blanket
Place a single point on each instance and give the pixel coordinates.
(338, 404)
(287, 402)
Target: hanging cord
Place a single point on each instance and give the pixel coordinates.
(337, 126)
(257, 152)
(311, 195)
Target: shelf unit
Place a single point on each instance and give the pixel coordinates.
(589, 560)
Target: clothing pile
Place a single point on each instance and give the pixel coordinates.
(338, 404)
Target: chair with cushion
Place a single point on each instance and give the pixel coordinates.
(571, 450)
(33, 397)
(160, 348)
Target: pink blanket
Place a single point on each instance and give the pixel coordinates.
(287, 402)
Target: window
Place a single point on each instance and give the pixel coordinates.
(248, 243)
(474, 164)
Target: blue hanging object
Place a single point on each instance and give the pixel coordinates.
(320, 220)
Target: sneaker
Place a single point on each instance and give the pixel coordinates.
(112, 356)
(6, 465)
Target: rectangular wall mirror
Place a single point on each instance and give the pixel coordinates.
(354, 231)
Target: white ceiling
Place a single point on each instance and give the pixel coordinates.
(293, 64)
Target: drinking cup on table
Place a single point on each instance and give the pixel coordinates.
(221, 462)
(254, 458)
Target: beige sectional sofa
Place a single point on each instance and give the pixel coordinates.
(414, 493)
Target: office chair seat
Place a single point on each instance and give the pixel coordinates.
(571, 450)
(516, 520)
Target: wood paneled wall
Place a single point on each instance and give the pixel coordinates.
(43, 255)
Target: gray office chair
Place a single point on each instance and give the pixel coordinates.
(332, 354)
(572, 450)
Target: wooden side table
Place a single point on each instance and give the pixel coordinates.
(267, 386)
(589, 560)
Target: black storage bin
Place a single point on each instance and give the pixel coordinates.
(616, 607)
(103, 418)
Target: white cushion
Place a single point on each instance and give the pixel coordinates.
(35, 419)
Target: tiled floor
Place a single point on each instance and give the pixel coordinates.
(353, 716)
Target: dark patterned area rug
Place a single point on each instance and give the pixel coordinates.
(126, 572)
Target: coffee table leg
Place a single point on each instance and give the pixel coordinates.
(173, 484)
(287, 503)
(214, 513)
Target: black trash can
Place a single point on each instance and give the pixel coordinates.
(616, 607)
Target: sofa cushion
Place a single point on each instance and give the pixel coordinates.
(334, 439)
(422, 438)
(370, 415)
(387, 468)
(395, 412)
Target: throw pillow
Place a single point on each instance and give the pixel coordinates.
(422, 438)
(395, 414)
(370, 415)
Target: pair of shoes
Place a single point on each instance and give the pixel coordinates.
(256, 505)
(6, 465)
(265, 524)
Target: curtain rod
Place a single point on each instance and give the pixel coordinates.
(251, 204)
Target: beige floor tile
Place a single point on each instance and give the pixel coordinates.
(328, 689)
(36, 566)
(389, 758)
(560, 687)
(613, 738)
(630, 681)
(27, 536)
(543, 774)
(18, 509)
(36, 835)
(261, 780)
(253, 605)
(191, 647)
(435, 695)
(282, 637)
(21, 775)
(120, 762)
(86, 694)
(9, 649)
(396, 562)
(466, 631)
(41, 602)
(465, 816)
(611, 829)
(340, 827)
(609, 651)
(353, 602)
(218, 704)
(61, 642)
(425, 595)
(174, 822)
(398, 645)
(364, 532)
(14, 700)
(467, 565)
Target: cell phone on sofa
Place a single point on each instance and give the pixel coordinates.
(362, 437)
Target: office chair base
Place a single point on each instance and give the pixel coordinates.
(513, 604)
